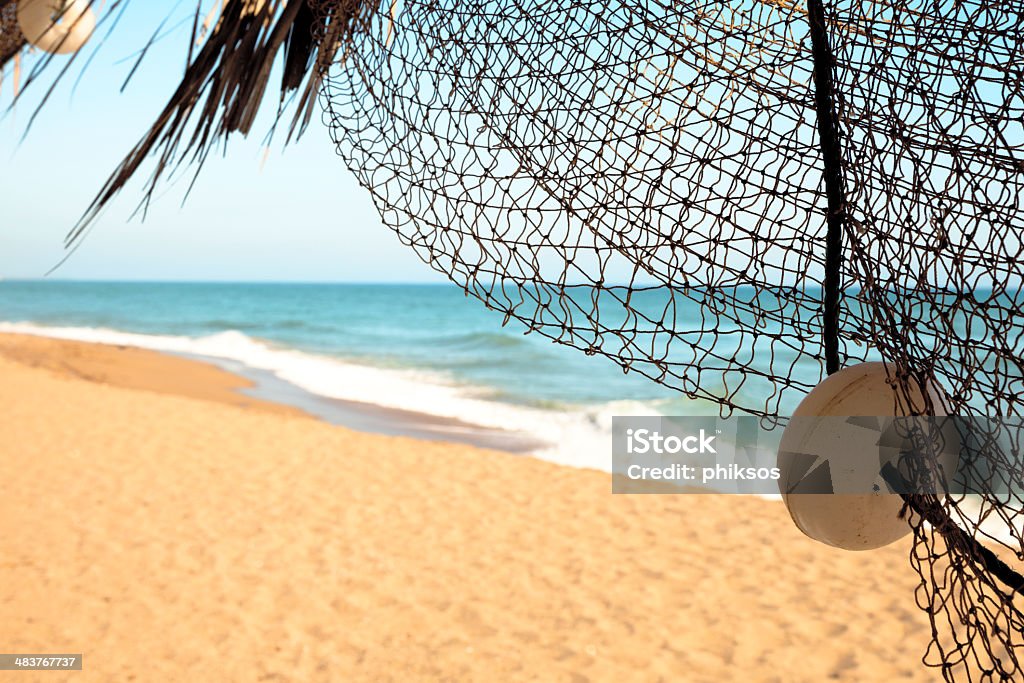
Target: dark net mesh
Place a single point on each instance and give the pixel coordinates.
(932, 106)
(654, 182)
(587, 168)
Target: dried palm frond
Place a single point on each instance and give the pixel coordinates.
(226, 80)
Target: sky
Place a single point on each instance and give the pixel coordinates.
(301, 217)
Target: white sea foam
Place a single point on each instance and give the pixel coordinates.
(578, 437)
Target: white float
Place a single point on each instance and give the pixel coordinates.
(848, 518)
(57, 26)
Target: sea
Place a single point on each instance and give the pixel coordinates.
(420, 360)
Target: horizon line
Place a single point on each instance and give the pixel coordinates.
(637, 286)
(202, 281)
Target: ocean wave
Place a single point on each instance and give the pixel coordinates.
(489, 340)
(578, 437)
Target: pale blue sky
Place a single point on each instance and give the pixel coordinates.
(302, 217)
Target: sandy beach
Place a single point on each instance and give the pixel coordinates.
(170, 529)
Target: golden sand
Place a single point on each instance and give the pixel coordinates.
(170, 534)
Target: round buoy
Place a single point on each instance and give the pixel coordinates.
(834, 442)
(57, 26)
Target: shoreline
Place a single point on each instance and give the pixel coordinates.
(383, 394)
(372, 418)
(232, 383)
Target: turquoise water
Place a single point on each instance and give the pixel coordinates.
(422, 348)
(423, 327)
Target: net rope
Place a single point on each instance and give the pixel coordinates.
(586, 168)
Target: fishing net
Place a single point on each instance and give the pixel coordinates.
(822, 184)
(586, 167)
